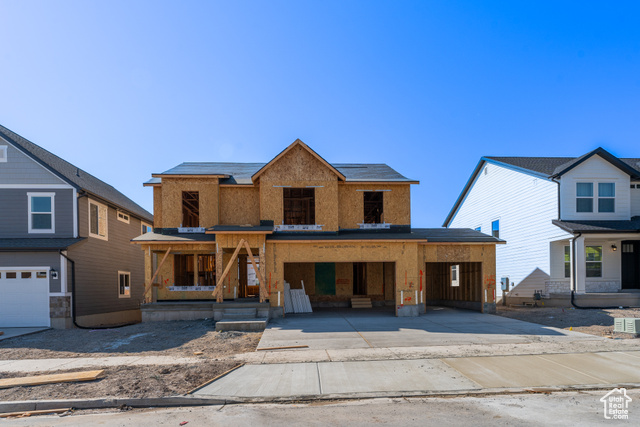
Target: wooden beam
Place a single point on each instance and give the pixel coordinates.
(218, 291)
(50, 379)
(263, 289)
(147, 287)
(25, 414)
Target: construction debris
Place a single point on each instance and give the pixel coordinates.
(296, 300)
(50, 379)
(282, 347)
(30, 413)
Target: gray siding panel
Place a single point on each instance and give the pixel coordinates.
(14, 214)
(34, 259)
(22, 169)
(98, 262)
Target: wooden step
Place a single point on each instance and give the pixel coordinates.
(361, 303)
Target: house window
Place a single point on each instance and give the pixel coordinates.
(584, 197)
(606, 197)
(495, 228)
(373, 207)
(455, 275)
(3, 154)
(183, 270)
(146, 228)
(567, 261)
(299, 206)
(98, 224)
(123, 217)
(41, 212)
(124, 284)
(594, 261)
(190, 209)
(11, 275)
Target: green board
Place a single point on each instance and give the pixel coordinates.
(325, 278)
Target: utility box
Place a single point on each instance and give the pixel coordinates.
(619, 324)
(632, 325)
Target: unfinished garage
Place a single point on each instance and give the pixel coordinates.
(339, 284)
(454, 284)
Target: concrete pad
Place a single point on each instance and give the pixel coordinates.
(614, 367)
(295, 379)
(392, 375)
(16, 332)
(521, 371)
(295, 356)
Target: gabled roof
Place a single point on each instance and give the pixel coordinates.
(545, 168)
(296, 143)
(73, 175)
(611, 226)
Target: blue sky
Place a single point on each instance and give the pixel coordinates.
(123, 89)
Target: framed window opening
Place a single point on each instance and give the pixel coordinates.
(41, 212)
(567, 261)
(190, 209)
(184, 267)
(594, 261)
(98, 221)
(584, 197)
(455, 275)
(495, 228)
(299, 206)
(3, 154)
(124, 217)
(606, 197)
(124, 284)
(373, 207)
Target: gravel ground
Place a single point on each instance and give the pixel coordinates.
(593, 321)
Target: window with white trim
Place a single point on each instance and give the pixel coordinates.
(584, 197)
(455, 275)
(146, 228)
(594, 261)
(606, 197)
(495, 228)
(41, 212)
(98, 225)
(124, 284)
(123, 217)
(3, 154)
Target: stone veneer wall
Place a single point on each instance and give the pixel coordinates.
(611, 286)
(557, 287)
(60, 307)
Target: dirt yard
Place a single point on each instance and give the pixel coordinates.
(179, 338)
(593, 321)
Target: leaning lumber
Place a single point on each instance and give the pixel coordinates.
(51, 379)
(25, 414)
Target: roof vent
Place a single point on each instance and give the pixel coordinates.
(77, 172)
(486, 170)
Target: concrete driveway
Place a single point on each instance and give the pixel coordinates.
(379, 328)
(16, 332)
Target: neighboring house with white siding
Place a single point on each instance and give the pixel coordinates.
(64, 242)
(571, 224)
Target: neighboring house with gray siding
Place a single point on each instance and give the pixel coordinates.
(64, 236)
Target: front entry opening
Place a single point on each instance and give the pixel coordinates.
(631, 264)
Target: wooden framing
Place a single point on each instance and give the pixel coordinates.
(218, 292)
(147, 287)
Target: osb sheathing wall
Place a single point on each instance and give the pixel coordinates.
(239, 205)
(172, 189)
(157, 207)
(405, 255)
(486, 254)
(396, 203)
(299, 168)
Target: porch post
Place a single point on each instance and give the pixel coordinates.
(580, 280)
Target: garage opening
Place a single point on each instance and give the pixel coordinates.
(334, 284)
(24, 298)
(454, 284)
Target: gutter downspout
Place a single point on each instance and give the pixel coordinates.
(557, 182)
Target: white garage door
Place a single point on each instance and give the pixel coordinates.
(24, 297)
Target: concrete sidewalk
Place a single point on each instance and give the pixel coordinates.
(446, 375)
(44, 365)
